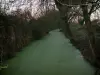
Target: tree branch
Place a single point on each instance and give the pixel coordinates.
(93, 6)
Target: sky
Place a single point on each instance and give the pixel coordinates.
(22, 4)
(33, 5)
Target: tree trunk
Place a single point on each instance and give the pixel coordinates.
(90, 31)
(68, 32)
(11, 39)
(64, 16)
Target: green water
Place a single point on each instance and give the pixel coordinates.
(53, 55)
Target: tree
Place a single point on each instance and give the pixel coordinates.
(89, 28)
(65, 5)
(64, 10)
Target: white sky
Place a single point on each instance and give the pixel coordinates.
(22, 4)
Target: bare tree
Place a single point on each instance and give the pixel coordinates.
(89, 29)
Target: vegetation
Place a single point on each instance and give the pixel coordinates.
(84, 11)
(19, 28)
(86, 38)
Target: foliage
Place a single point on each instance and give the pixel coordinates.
(19, 28)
